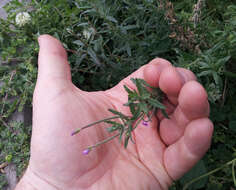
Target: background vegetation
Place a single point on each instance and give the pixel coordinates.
(108, 39)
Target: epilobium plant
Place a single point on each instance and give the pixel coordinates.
(143, 104)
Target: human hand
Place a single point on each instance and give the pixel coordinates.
(162, 152)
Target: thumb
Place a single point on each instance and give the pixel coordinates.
(52, 61)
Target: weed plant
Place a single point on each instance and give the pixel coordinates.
(108, 39)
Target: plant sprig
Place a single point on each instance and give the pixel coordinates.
(143, 102)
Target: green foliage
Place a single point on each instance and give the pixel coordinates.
(116, 36)
(142, 103)
(106, 40)
(198, 170)
(14, 146)
(213, 62)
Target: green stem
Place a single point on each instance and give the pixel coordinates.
(233, 173)
(140, 119)
(91, 124)
(104, 141)
(207, 174)
(150, 117)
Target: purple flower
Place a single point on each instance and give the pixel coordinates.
(75, 132)
(145, 123)
(72, 134)
(86, 151)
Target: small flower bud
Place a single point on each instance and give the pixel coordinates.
(86, 151)
(75, 132)
(145, 123)
(72, 134)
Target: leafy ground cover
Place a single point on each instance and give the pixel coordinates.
(108, 39)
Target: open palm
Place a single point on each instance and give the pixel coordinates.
(162, 152)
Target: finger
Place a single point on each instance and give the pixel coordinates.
(193, 104)
(150, 150)
(187, 151)
(150, 73)
(52, 60)
(193, 101)
(171, 81)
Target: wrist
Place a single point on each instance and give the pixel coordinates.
(30, 181)
(24, 185)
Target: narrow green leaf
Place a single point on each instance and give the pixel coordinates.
(134, 96)
(130, 27)
(222, 61)
(128, 103)
(94, 57)
(143, 92)
(112, 122)
(82, 24)
(143, 107)
(217, 78)
(112, 129)
(204, 65)
(80, 59)
(156, 103)
(133, 80)
(207, 58)
(130, 127)
(128, 90)
(136, 111)
(90, 11)
(117, 113)
(126, 141)
(233, 173)
(112, 19)
(142, 86)
(139, 87)
(204, 73)
(128, 49)
(132, 108)
(145, 83)
(121, 133)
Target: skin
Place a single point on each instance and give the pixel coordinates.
(162, 152)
